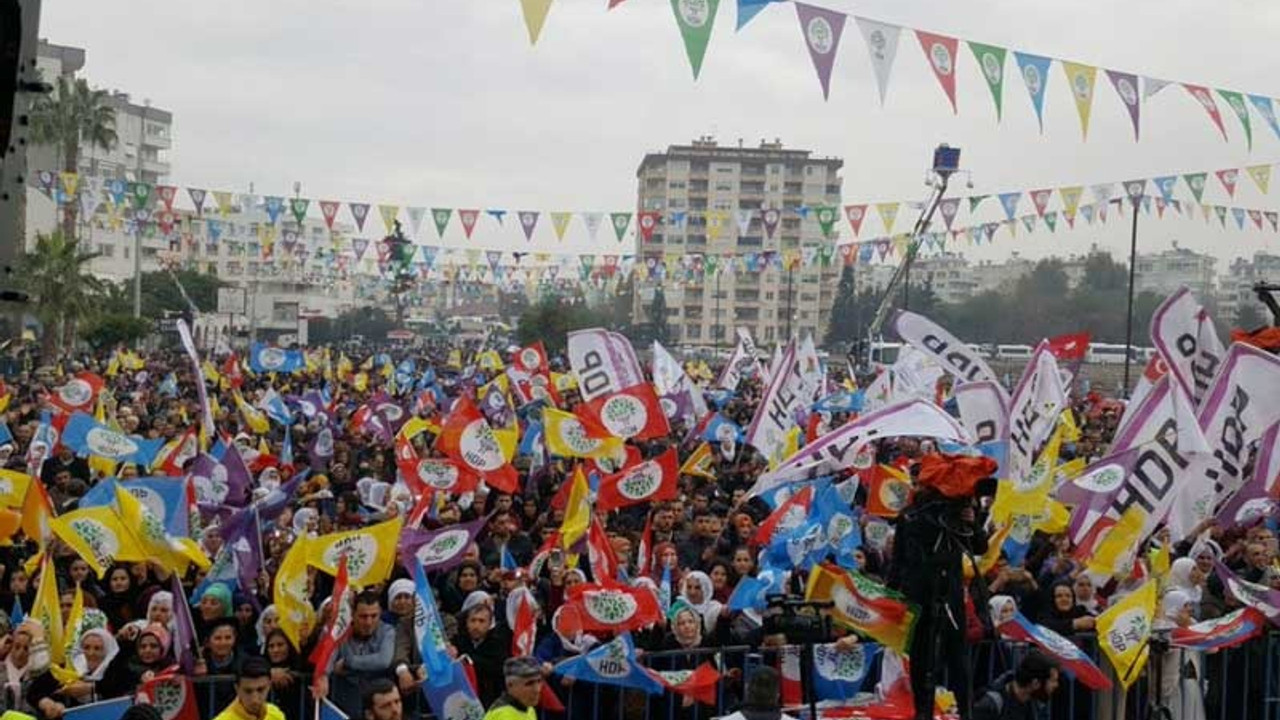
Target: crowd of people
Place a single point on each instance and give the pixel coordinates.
(702, 543)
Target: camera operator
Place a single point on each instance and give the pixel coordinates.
(941, 525)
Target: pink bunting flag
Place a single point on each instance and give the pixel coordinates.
(941, 52)
(1205, 98)
(821, 29)
(167, 193)
(329, 208)
(648, 221)
(468, 219)
(1126, 85)
(1228, 178)
(1256, 217)
(1041, 200)
(855, 214)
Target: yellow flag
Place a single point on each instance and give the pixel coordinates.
(988, 560)
(98, 535)
(455, 359)
(415, 426)
(361, 382)
(1070, 430)
(1117, 547)
(1123, 630)
(46, 610)
(1080, 78)
(37, 511)
(577, 511)
(150, 535)
(367, 364)
(1261, 175)
(535, 14)
(253, 417)
(290, 592)
(699, 464)
(113, 366)
(210, 372)
(74, 628)
(389, 213)
(1159, 559)
(790, 446)
(565, 436)
(370, 551)
(5, 400)
(345, 366)
(13, 488)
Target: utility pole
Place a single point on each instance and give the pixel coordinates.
(791, 270)
(1133, 267)
(137, 224)
(717, 329)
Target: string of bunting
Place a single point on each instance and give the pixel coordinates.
(822, 30)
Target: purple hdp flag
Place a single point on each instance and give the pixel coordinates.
(821, 29)
(1094, 490)
(184, 629)
(496, 408)
(1256, 498)
(1126, 85)
(220, 483)
(320, 451)
(1259, 597)
(440, 549)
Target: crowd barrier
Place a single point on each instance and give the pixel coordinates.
(1241, 683)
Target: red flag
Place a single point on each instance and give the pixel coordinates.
(1072, 347)
(186, 448)
(78, 394)
(1205, 98)
(329, 208)
(940, 50)
(648, 223)
(788, 516)
(855, 214)
(610, 607)
(231, 371)
(888, 492)
(172, 694)
(339, 624)
(604, 561)
(532, 359)
(646, 547)
(649, 481)
(468, 218)
(700, 685)
(632, 412)
(468, 438)
(524, 634)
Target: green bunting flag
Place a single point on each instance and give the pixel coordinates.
(298, 206)
(1236, 101)
(991, 59)
(827, 216)
(696, 19)
(141, 193)
(1051, 219)
(621, 222)
(1195, 181)
(441, 217)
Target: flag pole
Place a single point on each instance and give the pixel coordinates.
(1128, 321)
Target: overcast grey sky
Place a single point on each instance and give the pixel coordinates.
(444, 102)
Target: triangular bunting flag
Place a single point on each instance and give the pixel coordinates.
(1035, 75)
(1195, 181)
(1261, 175)
(1228, 178)
(467, 218)
(389, 213)
(1081, 79)
(1236, 102)
(621, 223)
(941, 53)
(360, 212)
(882, 43)
(888, 213)
(695, 20)
(528, 221)
(535, 14)
(821, 29)
(991, 61)
(1202, 96)
(441, 217)
(1126, 85)
(1267, 110)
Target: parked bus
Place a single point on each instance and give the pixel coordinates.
(1013, 352)
(1110, 354)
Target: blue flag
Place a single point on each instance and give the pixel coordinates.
(16, 616)
(165, 497)
(326, 710)
(839, 521)
(106, 710)
(842, 401)
(751, 593)
(613, 663)
(268, 358)
(452, 696)
(508, 561)
(6, 437)
(430, 633)
(275, 408)
(86, 436)
(1035, 74)
(840, 674)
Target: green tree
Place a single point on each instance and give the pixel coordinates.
(552, 318)
(108, 329)
(371, 322)
(1250, 317)
(62, 289)
(72, 116)
(161, 295)
(657, 312)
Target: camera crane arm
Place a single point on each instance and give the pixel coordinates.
(1264, 292)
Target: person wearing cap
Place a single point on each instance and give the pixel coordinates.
(524, 686)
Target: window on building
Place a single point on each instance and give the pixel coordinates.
(676, 185)
(106, 250)
(724, 187)
(693, 332)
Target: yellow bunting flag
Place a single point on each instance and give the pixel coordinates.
(577, 511)
(535, 14)
(560, 222)
(1123, 631)
(1081, 79)
(389, 213)
(1261, 175)
(888, 213)
(1114, 554)
(370, 551)
(253, 417)
(297, 616)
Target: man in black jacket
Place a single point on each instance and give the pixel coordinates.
(1016, 695)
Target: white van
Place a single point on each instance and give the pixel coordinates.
(1110, 354)
(1013, 352)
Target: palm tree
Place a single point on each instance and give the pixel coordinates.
(61, 287)
(73, 115)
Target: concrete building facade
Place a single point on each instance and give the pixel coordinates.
(711, 185)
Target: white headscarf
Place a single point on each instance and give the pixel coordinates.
(709, 609)
(1170, 606)
(109, 646)
(1180, 578)
(300, 520)
(403, 586)
(162, 597)
(479, 597)
(261, 623)
(997, 604)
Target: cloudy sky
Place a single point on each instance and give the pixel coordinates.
(443, 103)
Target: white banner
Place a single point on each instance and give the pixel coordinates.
(1036, 404)
(669, 378)
(1242, 402)
(983, 411)
(188, 343)
(1183, 333)
(954, 356)
(604, 363)
(776, 414)
(836, 450)
(744, 361)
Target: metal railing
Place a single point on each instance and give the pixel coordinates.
(1241, 683)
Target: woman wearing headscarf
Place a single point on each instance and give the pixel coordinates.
(214, 605)
(699, 595)
(406, 661)
(1065, 616)
(465, 580)
(568, 640)
(683, 643)
(246, 616)
(90, 660)
(27, 659)
(1185, 575)
(269, 620)
(1180, 674)
(143, 654)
